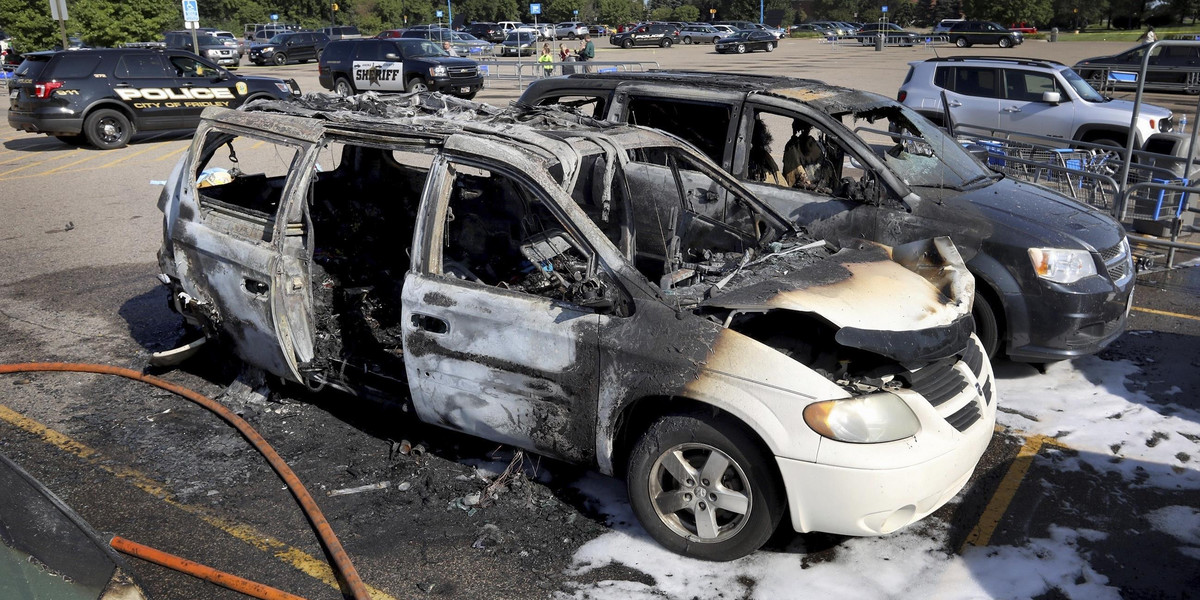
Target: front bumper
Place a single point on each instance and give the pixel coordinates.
(1066, 323)
(457, 86)
(875, 489)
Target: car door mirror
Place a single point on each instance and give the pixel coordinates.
(391, 56)
(1051, 97)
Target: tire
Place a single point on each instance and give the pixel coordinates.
(741, 49)
(1105, 162)
(770, 47)
(1094, 78)
(740, 507)
(343, 87)
(627, 43)
(665, 43)
(416, 84)
(987, 327)
(319, 53)
(280, 59)
(962, 42)
(1005, 43)
(687, 40)
(107, 129)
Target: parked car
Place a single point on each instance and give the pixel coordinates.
(597, 30)
(812, 28)
(839, 29)
(437, 34)
(742, 42)
(1171, 69)
(228, 38)
(103, 96)
(867, 181)
(396, 65)
(738, 25)
(466, 44)
(341, 32)
(299, 46)
(570, 30)
(724, 29)
(1039, 97)
(490, 32)
(892, 34)
(775, 31)
(653, 34)
(514, 281)
(519, 43)
(700, 34)
(211, 47)
(965, 34)
(944, 26)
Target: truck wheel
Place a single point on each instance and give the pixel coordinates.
(627, 44)
(961, 42)
(280, 59)
(702, 487)
(1005, 43)
(665, 43)
(343, 87)
(107, 129)
(416, 84)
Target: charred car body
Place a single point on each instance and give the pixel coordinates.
(1054, 277)
(602, 294)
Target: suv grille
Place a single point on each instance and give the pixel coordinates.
(463, 72)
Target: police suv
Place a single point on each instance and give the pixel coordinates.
(103, 96)
(396, 65)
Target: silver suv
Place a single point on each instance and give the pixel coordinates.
(1025, 96)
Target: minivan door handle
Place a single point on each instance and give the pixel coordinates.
(430, 323)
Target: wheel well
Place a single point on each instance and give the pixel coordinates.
(1119, 137)
(117, 106)
(640, 414)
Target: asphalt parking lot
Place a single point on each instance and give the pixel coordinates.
(1089, 489)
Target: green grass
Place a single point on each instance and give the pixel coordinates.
(1116, 35)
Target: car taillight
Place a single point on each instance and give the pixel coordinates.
(901, 96)
(45, 88)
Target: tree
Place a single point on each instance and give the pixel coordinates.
(662, 13)
(1012, 11)
(107, 23)
(30, 25)
(687, 13)
(615, 12)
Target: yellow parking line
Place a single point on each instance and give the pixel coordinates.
(296, 558)
(1007, 490)
(172, 153)
(34, 164)
(1166, 314)
(94, 155)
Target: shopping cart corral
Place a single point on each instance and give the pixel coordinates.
(1157, 203)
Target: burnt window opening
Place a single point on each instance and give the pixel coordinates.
(500, 233)
(240, 180)
(704, 125)
(593, 106)
(792, 151)
(363, 205)
(606, 211)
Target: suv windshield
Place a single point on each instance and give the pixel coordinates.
(209, 40)
(916, 150)
(418, 48)
(1081, 87)
(520, 36)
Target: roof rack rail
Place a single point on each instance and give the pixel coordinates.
(1032, 62)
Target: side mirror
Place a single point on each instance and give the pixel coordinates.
(1051, 97)
(391, 56)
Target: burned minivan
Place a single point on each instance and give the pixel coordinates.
(603, 294)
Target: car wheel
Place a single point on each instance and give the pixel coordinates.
(741, 49)
(416, 84)
(343, 87)
(961, 42)
(319, 53)
(987, 328)
(627, 44)
(571, 36)
(1094, 78)
(1005, 43)
(107, 129)
(665, 43)
(280, 58)
(1192, 84)
(702, 487)
(687, 40)
(770, 47)
(1102, 161)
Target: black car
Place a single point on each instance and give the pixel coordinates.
(486, 31)
(892, 34)
(650, 34)
(869, 182)
(396, 65)
(1171, 68)
(211, 47)
(965, 34)
(102, 96)
(299, 46)
(744, 41)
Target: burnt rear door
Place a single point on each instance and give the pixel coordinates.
(492, 348)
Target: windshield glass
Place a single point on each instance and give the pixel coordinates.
(520, 36)
(279, 39)
(916, 150)
(208, 40)
(1081, 87)
(419, 48)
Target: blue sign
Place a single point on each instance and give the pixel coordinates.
(439, 14)
(274, 17)
(885, 9)
(535, 9)
(575, 12)
(191, 10)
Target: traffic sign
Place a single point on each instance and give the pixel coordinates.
(575, 12)
(885, 9)
(535, 9)
(191, 10)
(439, 14)
(274, 16)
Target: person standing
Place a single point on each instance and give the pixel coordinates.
(1149, 36)
(587, 50)
(565, 56)
(547, 61)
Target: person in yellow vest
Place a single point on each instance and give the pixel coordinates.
(547, 61)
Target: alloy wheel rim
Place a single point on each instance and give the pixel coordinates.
(700, 493)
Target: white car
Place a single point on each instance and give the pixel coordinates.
(570, 30)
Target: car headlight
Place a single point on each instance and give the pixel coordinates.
(267, 49)
(1062, 265)
(212, 52)
(1166, 125)
(438, 71)
(870, 419)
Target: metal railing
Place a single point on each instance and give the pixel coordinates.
(521, 71)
